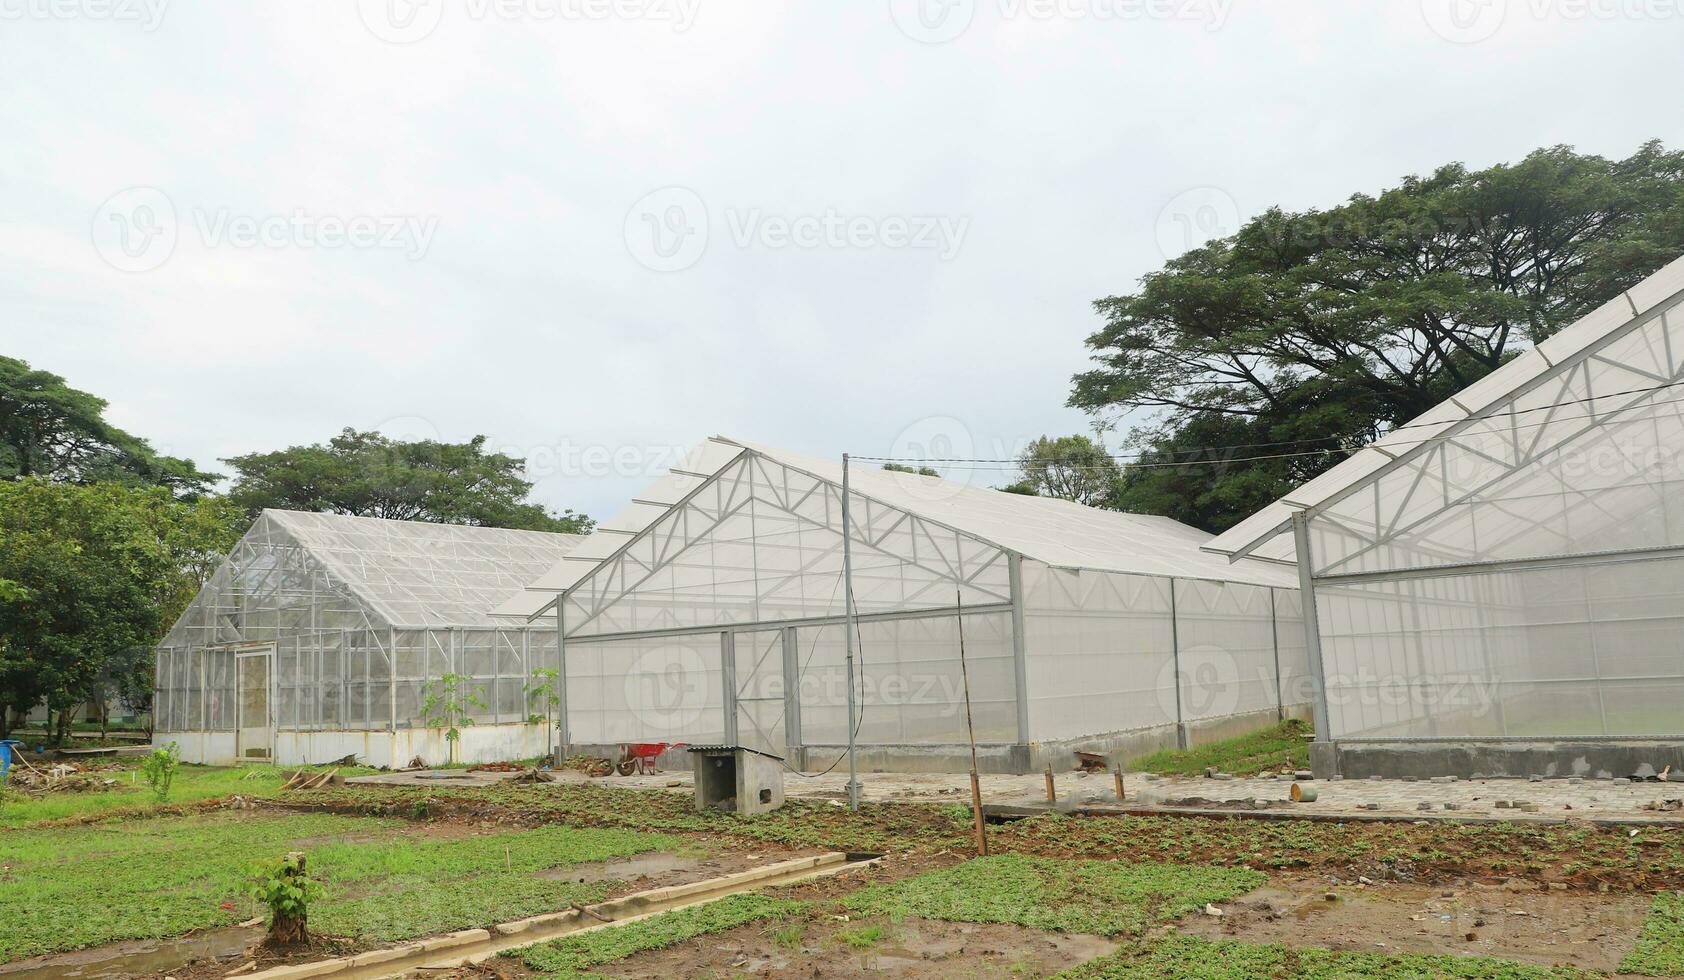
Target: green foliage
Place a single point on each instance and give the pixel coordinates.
(158, 769)
(1100, 897)
(1196, 959)
(72, 887)
(283, 887)
(1315, 332)
(1280, 747)
(131, 794)
(862, 937)
(914, 470)
(1069, 468)
(51, 430)
(573, 956)
(446, 702)
(97, 573)
(543, 691)
(1660, 949)
(366, 474)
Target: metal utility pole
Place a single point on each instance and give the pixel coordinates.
(970, 729)
(848, 624)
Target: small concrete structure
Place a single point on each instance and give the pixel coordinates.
(735, 779)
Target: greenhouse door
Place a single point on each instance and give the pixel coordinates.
(757, 678)
(255, 726)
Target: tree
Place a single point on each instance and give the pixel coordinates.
(49, 429)
(365, 474)
(1069, 468)
(1256, 361)
(914, 470)
(97, 574)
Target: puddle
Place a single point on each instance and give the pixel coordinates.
(1588, 931)
(624, 869)
(137, 957)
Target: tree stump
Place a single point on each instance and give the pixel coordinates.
(290, 929)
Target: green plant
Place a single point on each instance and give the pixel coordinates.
(573, 956)
(544, 691)
(862, 937)
(445, 704)
(287, 890)
(1660, 949)
(790, 936)
(159, 768)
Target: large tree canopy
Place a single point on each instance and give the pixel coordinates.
(52, 430)
(90, 578)
(1069, 468)
(366, 474)
(1308, 334)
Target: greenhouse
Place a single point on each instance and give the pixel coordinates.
(322, 636)
(714, 609)
(1499, 584)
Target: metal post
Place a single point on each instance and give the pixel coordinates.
(1020, 657)
(1312, 628)
(728, 684)
(565, 736)
(1175, 654)
(792, 696)
(848, 625)
(1275, 638)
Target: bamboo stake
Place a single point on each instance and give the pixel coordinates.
(1052, 796)
(970, 729)
(1117, 774)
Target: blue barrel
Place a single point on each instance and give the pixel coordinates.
(7, 747)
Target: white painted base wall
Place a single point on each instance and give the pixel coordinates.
(393, 750)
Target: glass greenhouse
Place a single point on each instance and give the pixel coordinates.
(323, 636)
(1509, 567)
(713, 609)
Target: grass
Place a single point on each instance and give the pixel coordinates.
(573, 956)
(68, 888)
(1197, 959)
(1660, 949)
(1104, 898)
(193, 784)
(862, 937)
(1280, 747)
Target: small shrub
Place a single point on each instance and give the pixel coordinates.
(158, 768)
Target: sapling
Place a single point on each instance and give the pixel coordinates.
(446, 706)
(287, 890)
(158, 768)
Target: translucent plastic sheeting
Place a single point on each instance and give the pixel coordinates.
(1588, 459)
(761, 543)
(1576, 650)
(909, 684)
(1297, 688)
(1103, 651)
(493, 673)
(654, 689)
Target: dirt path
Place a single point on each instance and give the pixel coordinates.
(1516, 922)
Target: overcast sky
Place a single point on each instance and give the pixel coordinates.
(596, 230)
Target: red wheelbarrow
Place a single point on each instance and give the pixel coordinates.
(639, 757)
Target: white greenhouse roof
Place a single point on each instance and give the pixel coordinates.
(416, 573)
(1056, 532)
(1258, 533)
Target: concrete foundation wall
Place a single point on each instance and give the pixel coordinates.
(1475, 759)
(391, 750)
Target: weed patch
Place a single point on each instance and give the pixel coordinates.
(1280, 747)
(1660, 949)
(1197, 959)
(1104, 898)
(573, 956)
